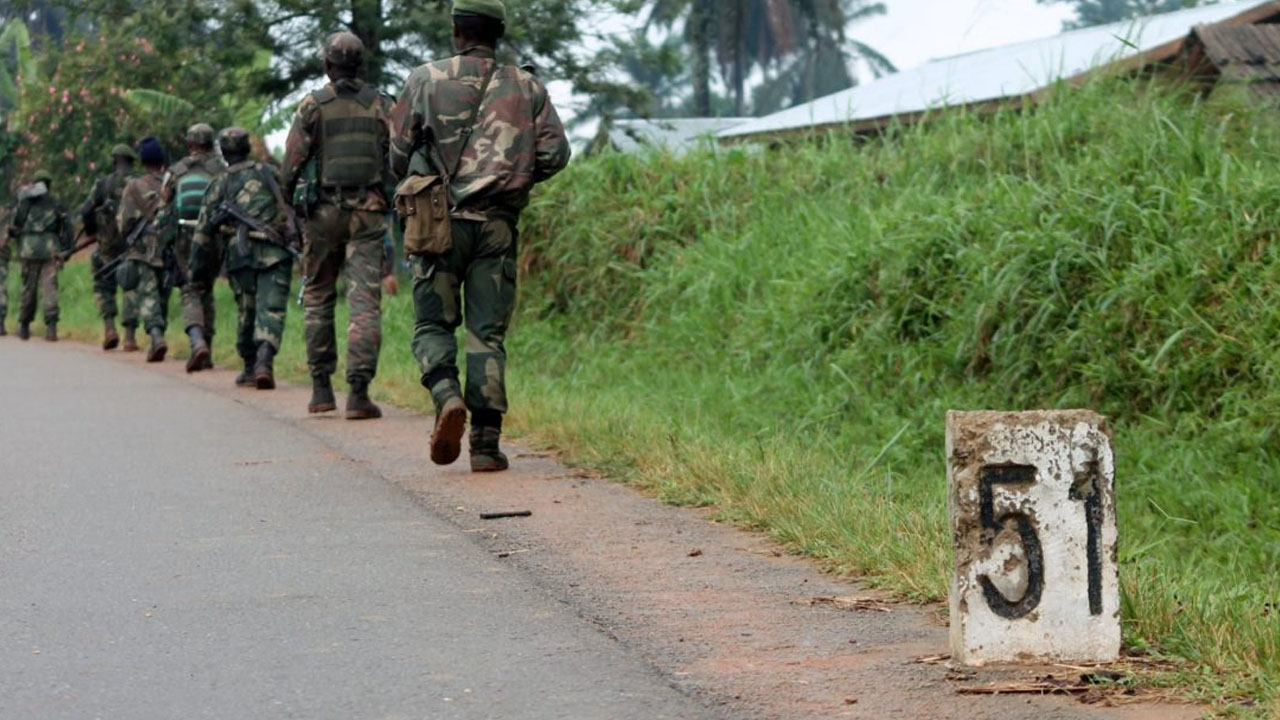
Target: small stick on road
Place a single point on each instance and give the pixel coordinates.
(508, 514)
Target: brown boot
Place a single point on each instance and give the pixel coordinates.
(264, 375)
(485, 455)
(199, 350)
(322, 399)
(446, 436)
(158, 346)
(130, 338)
(51, 331)
(110, 339)
(245, 378)
(359, 406)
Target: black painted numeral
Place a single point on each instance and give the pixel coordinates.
(991, 476)
(1088, 487)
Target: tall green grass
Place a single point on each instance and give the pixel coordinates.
(778, 334)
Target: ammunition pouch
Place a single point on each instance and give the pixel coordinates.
(128, 276)
(422, 202)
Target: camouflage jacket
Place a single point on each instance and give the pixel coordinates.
(304, 145)
(248, 186)
(518, 138)
(98, 211)
(41, 227)
(139, 204)
(167, 218)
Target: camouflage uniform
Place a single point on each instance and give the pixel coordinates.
(518, 140)
(260, 271)
(42, 230)
(139, 204)
(345, 228)
(98, 216)
(180, 201)
(5, 256)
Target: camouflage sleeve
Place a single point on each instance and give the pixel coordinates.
(206, 226)
(552, 150)
(406, 126)
(88, 209)
(386, 104)
(66, 234)
(300, 144)
(166, 215)
(129, 212)
(19, 218)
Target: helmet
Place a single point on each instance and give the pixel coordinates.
(42, 176)
(124, 151)
(485, 8)
(344, 50)
(200, 135)
(234, 142)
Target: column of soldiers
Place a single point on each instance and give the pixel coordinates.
(488, 131)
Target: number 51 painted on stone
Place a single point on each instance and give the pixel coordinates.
(1033, 522)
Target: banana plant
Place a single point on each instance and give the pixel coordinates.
(18, 68)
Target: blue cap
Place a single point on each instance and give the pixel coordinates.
(151, 153)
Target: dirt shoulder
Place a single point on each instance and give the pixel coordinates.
(723, 614)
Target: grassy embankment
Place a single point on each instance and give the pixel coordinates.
(780, 335)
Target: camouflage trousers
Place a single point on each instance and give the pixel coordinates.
(262, 299)
(4, 287)
(104, 292)
(197, 294)
(153, 296)
(39, 277)
(480, 271)
(341, 240)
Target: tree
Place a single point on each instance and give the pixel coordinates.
(1098, 12)
(802, 41)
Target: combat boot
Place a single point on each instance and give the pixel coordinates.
(24, 330)
(51, 331)
(158, 346)
(208, 362)
(130, 338)
(485, 455)
(322, 399)
(359, 406)
(110, 339)
(264, 375)
(199, 350)
(245, 378)
(446, 435)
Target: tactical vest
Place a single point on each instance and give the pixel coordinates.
(350, 151)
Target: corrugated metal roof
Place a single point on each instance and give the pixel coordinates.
(1247, 54)
(676, 135)
(994, 74)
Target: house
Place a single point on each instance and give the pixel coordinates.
(674, 135)
(1021, 73)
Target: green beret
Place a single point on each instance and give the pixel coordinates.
(124, 151)
(488, 8)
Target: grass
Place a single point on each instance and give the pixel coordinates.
(779, 335)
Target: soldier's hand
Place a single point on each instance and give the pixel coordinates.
(391, 285)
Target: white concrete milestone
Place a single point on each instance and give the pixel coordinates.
(1032, 500)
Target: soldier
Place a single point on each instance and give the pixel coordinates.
(42, 230)
(490, 130)
(180, 199)
(5, 256)
(339, 141)
(98, 219)
(245, 217)
(143, 268)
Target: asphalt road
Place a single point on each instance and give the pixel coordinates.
(167, 552)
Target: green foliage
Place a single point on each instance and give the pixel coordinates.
(780, 335)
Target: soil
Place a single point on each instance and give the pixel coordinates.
(723, 614)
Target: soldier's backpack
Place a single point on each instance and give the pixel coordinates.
(350, 145)
(188, 193)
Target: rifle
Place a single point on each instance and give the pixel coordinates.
(64, 256)
(130, 240)
(174, 274)
(250, 227)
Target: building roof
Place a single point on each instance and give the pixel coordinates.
(675, 135)
(1001, 74)
(1243, 54)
